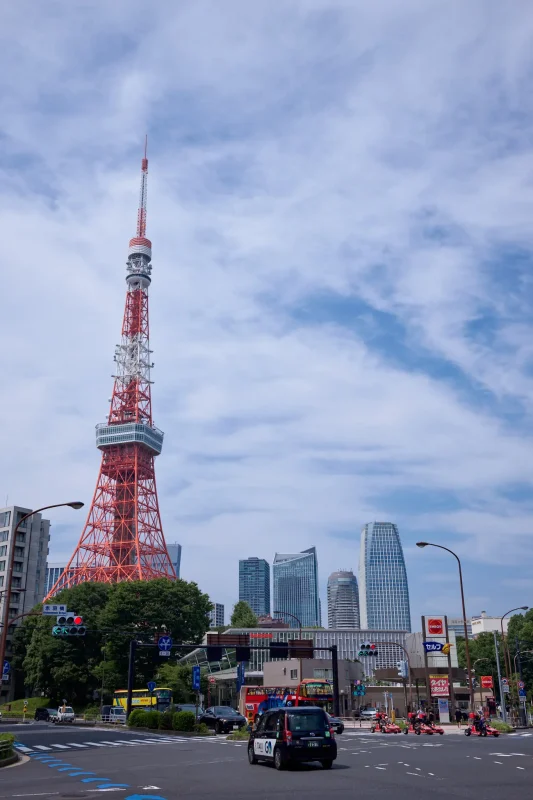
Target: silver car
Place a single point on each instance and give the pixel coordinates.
(369, 713)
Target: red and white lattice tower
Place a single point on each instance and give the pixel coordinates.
(123, 538)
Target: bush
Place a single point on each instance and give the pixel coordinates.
(501, 726)
(201, 728)
(401, 724)
(153, 719)
(138, 718)
(242, 733)
(183, 721)
(6, 739)
(165, 721)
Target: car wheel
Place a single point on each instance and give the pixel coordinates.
(251, 756)
(467, 731)
(495, 735)
(218, 727)
(406, 731)
(279, 761)
(327, 764)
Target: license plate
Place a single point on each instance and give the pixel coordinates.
(312, 744)
(235, 727)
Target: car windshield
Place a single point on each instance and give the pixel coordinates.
(224, 711)
(313, 721)
(50, 710)
(69, 710)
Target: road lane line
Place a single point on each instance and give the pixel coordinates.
(414, 773)
(520, 767)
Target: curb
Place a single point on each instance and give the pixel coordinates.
(9, 761)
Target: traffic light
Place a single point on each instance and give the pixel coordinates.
(403, 669)
(279, 649)
(213, 653)
(368, 649)
(69, 624)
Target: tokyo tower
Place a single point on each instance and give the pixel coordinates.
(123, 538)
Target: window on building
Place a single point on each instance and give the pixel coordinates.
(5, 519)
(19, 552)
(1, 581)
(4, 536)
(16, 582)
(21, 514)
(2, 566)
(294, 674)
(21, 538)
(3, 550)
(15, 598)
(17, 566)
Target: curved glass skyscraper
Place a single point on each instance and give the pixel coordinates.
(343, 600)
(383, 589)
(295, 583)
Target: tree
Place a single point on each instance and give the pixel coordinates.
(75, 668)
(243, 616)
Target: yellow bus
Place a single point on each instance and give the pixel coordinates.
(160, 699)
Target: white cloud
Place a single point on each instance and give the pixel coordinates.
(303, 151)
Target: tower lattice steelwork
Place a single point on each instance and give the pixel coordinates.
(123, 539)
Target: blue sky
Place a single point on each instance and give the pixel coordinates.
(341, 207)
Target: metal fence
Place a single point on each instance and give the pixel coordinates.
(6, 749)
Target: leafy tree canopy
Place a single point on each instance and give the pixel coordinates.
(243, 616)
(78, 668)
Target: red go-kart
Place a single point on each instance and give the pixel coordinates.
(475, 729)
(418, 727)
(385, 726)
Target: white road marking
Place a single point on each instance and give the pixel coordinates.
(520, 767)
(113, 744)
(477, 758)
(414, 773)
(498, 762)
(149, 787)
(418, 768)
(41, 747)
(95, 744)
(23, 749)
(75, 744)
(383, 768)
(60, 746)
(432, 774)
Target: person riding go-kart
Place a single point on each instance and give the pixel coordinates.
(477, 726)
(384, 725)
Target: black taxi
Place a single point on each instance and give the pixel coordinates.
(287, 735)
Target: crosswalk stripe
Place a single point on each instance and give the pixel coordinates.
(75, 744)
(95, 744)
(112, 744)
(60, 746)
(41, 747)
(23, 749)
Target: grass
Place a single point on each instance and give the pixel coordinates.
(16, 707)
(242, 733)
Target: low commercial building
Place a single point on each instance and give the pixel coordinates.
(291, 672)
(486, 624)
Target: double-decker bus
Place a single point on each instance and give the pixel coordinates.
(255, 700)
(160, 699)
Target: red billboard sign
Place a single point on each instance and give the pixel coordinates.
(486, 682)
(439, 685)
(435, 626)
(260, 635)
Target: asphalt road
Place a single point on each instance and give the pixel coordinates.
(148, 766)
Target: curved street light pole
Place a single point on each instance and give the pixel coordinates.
(467, 648)
(506, 653)
(9, 573)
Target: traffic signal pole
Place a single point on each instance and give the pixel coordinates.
(335, 674)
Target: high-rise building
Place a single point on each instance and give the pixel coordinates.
(254, 584)
(343, 600)
(216, 615)
(383, 589)
(53, 573)
(29, 566)
(123, 537)
(295, 584)
(174, 551)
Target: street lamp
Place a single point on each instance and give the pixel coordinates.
(506, 653)
(9, 574)
(467, 648)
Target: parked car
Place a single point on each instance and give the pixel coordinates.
(286, 735)
(44, 714)
(65, 714)
(222, 719)
(336, 723)
(369, 713)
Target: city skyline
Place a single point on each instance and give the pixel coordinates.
(341, 321)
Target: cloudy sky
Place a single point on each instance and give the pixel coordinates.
(341, 208)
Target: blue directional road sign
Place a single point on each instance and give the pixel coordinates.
(196, 678)
(6, 668)
(151, 686)
(165, 642)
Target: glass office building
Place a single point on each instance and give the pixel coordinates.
(295, 585)
(383, 589)
(174, 551)
(343, 600)
(254, 584)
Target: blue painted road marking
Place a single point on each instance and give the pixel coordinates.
(93, 780)
(145, 797)
(113, 786)
(79, 772)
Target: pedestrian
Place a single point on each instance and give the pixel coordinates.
(458, 716)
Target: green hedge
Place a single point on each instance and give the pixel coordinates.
(137, 718)
(9, 739)
(165, 721)
(501, 726)
(183, 721)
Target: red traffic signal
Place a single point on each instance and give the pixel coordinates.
(78, 620)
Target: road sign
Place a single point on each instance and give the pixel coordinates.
(196, 678)
(151, 686)
(521, 692)
(25, 704)
(165, 642)
(212, 680)
(505, 682)
(521, 685)
(486, 682)
(6, 668)
(164, 652)
(52, 609)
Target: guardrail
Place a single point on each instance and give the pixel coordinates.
(6, 749)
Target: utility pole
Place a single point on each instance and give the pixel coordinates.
(502, 696)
